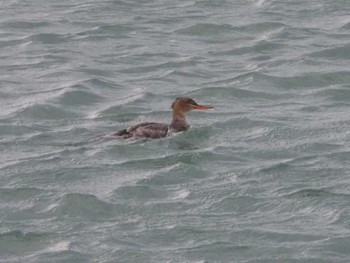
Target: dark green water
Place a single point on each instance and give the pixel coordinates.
(263, 178)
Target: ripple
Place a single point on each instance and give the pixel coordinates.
(340, 52)
(259, 47)
(60, 246)
(139, 192)
(14, 42)
(25, 24)
(309, 193)
(236, 92)
(79, 97)
(306, 80)
(335, 94)
(226, 249)
(19, 194)
(263, 26)
(346, 26)
(17, 242)
(165, 65)
(205, 29)
(18, 129)
(45, 112)
(96, 84)
(113, 31)
(84, 206)
(319, 193)
(60, 256)
(208, 29)
(47, 38)
(238, 204)
(339, 246)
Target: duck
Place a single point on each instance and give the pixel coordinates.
(180, 107)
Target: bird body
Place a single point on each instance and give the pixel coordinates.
(180, 107)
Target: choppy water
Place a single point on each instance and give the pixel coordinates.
(263, 178)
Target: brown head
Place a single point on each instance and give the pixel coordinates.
(185, 104)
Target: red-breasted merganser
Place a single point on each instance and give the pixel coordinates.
(180, 107)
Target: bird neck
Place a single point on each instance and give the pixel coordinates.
(179, 122)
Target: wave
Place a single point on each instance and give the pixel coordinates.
(45, 112)
(78, 97)
(85, 206)
(49, 38)
(309, 80)
(106, 31)
(208, 29)
(205, 29)
(25, 24)
(341, 52)
(19, 194)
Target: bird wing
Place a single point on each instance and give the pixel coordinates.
(149, 130)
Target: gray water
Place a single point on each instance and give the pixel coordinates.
(262, 178)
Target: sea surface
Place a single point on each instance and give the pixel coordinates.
(265, 177)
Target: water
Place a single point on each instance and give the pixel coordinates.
(263, 178)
